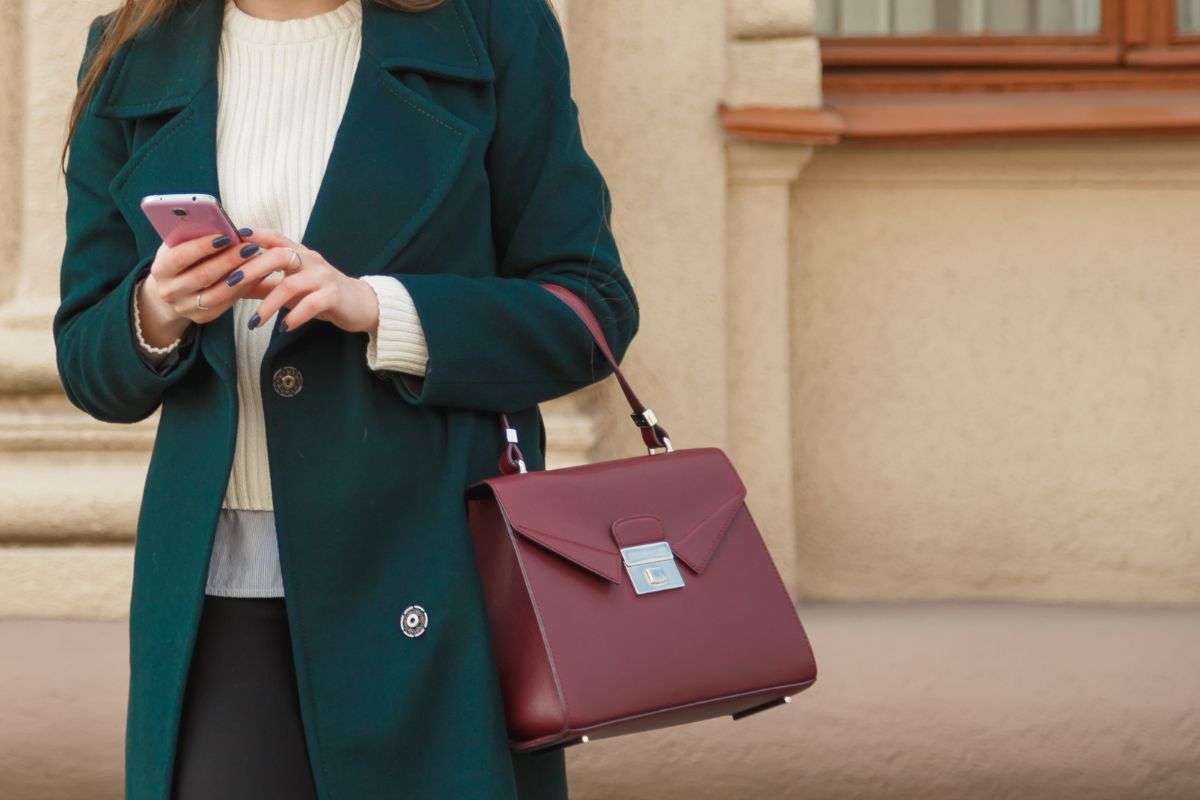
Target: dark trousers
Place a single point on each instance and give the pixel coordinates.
(240, 736)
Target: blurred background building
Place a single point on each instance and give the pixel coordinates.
(926, 269)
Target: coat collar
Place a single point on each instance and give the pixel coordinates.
(166, 65)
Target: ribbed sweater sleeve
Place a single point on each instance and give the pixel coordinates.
(399, 342)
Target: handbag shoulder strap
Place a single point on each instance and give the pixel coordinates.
(654, 435)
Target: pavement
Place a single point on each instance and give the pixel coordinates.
(953, 701)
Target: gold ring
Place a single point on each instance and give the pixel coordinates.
(200, 302)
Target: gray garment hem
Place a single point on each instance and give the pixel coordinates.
(245, 555)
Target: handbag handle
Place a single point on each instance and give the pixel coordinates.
(654, 435)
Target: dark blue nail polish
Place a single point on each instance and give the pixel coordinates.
(245, 231)
(235, 278)
(219, 242)
(253, 323)
(249, 250)
(282, 326)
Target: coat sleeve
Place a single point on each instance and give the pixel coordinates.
(503, 343)
(99, 364)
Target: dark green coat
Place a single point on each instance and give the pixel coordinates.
(458, 168)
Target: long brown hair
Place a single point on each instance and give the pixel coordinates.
(135, 16)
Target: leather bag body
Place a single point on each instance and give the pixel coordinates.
(631, 594)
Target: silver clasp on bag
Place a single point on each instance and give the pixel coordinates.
(652, 567)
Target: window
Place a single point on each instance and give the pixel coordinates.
(958, 17)
(1008, 33)
(1187, 16)
(916, 70)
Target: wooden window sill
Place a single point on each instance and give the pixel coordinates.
(1042, 51)
(1178, 55)
(939, 115)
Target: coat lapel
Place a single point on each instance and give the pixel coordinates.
(165, 81)
(395, 156)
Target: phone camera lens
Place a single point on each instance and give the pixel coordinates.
(179, 212)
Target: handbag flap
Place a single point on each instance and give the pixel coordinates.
(586, 514)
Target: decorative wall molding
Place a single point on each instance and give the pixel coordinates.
(759, 360)
(774, 72)
(773, 58)
(939, 116)
(763, 19)
(66, 582)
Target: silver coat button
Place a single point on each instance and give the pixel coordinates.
(414, 621)
(287, 381)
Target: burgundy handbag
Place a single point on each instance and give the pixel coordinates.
(631, 594)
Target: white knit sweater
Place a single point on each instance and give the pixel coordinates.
(283, 87)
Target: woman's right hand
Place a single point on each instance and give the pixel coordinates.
(181, 275)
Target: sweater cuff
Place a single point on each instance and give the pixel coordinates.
(399, 342)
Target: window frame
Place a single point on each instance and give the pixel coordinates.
(1132, 32)
(1153, 39)
(997, 50)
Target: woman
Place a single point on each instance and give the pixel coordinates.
(306, 618)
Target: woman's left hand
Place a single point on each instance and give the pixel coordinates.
(308, 286)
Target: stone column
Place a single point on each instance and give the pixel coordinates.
(759, 340)
(52, 38)
(773, 61)
(560, 8)
(648, 80)
(71, 485)
(12, 97)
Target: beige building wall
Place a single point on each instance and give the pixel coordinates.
(11, 97)
(942, 371)
(647, 84)
(995, 371)
(70, 484)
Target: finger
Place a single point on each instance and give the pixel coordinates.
(309, 306)
(269, 238)
(208, 272)
(275, 259)
(261, 288)
(220, 295)
(289, 291)
(171, 261)
(247, 278)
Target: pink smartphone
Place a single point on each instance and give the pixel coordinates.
(181, 217)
